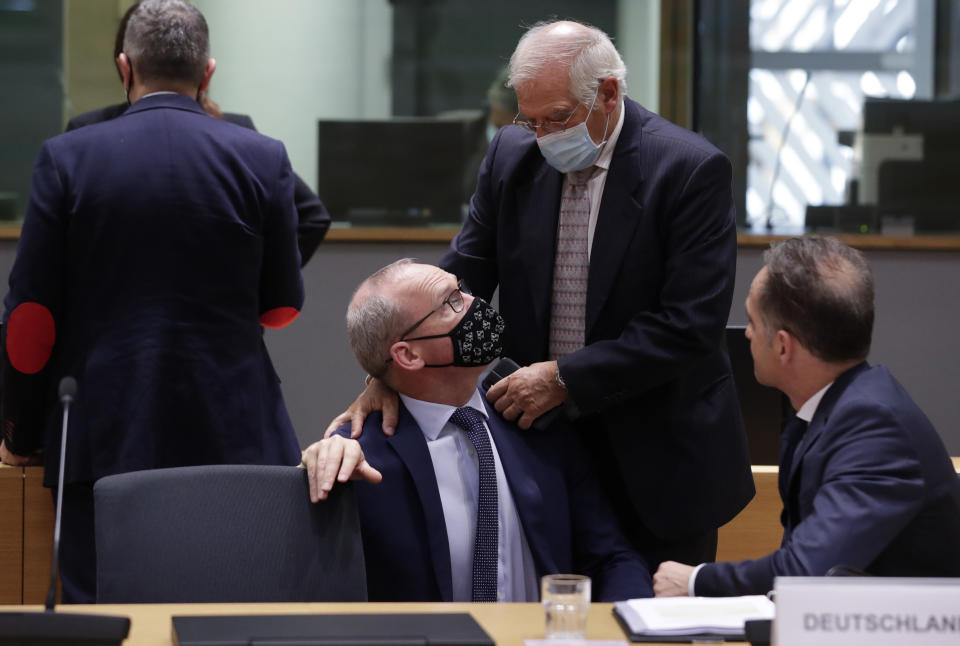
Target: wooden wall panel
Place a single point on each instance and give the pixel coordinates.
(37, 536)
(11, 534)
(756, 530)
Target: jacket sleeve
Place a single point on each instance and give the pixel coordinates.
(32, 308)
(281, 285)
(600, 549)
(313, 220)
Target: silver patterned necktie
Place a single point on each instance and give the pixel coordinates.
(486, 539)
(571, 267)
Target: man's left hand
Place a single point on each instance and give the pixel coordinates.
(672, 579)
(6, 457)
(335, 459)
(528, 393)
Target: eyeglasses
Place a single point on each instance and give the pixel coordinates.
(548, 125)
(454, 299)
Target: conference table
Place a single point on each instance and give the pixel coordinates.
(509, 624)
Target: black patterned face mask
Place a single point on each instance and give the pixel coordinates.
(477, 338)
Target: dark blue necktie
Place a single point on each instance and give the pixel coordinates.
(792, 434)
(485, 541)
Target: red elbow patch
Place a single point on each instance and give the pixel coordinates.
(30, 337)
(279, 317)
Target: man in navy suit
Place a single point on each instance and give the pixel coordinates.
(423, 526)
(313, 220)
(154, 247)
(617, 307)
(865, 479)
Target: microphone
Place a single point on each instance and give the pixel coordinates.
(66, 392)
(507, 366)
(50, 627)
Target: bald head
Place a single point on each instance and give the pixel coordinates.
(376, 315)
(563, 52)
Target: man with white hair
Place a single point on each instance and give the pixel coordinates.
(610, 233)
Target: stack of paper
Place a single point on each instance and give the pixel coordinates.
(689, 618)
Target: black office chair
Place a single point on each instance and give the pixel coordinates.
(765, 410)
(225, 533)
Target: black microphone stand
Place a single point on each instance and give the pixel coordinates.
(49, 628)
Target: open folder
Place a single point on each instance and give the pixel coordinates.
(685, 619)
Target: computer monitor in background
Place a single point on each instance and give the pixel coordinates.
(907, 151)
(404, 171)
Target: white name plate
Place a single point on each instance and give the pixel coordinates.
(828, 611)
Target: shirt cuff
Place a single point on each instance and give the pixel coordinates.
(691, 584)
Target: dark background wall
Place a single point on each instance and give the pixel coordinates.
(918, 314)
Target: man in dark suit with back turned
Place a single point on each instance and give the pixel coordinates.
(865, 480)
(471, 508)
(610, 234)
(154, 247)
(313, 220)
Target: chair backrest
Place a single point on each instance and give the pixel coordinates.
(225, 533)
(765, 410)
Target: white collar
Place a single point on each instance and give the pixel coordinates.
(809, 407)
(603, 161)
(431, 417)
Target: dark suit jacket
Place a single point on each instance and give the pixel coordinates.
(870, 486)
(568, 524)
(312, 216)
(653, 386)
(156, 240)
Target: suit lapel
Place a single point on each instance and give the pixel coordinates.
(518, 460)
(618, 216)
(538, 205)
(819, 423)
(410, 445)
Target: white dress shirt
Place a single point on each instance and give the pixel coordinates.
(599, 179)
(805, 413)
(457, 470)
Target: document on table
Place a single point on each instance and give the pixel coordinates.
(688, 618)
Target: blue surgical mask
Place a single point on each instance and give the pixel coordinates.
(571, 149)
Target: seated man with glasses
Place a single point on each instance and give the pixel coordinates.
(469, 508)
(609, 235)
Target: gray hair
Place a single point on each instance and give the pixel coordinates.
(821, 291)
(375, 318)
(167, 40)
(588, 52)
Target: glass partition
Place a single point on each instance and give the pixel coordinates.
(385, 106)
(839, 111)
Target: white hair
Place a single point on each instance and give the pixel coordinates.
(587, 51)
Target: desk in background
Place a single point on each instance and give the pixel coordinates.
(507, 623)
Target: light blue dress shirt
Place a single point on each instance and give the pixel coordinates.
(458, 479)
